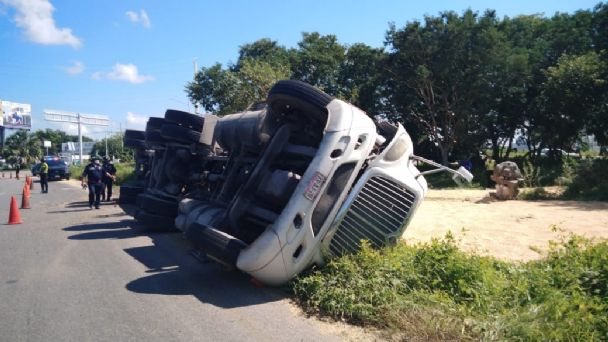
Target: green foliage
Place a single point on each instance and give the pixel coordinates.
(76, 171)
(115, 148)
(530, 173)
(590, 181)
(125, 172)
(455, 80)
(436, 291)
(29, 145)
(537, 194)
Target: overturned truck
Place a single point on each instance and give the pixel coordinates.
(284, 185)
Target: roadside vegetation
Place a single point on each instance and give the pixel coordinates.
(581, 180)
(125, 172)
(435, 291)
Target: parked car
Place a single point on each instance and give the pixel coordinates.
(545, 152)
(58, 168)
(280, 187)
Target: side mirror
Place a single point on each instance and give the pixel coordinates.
(462, 173)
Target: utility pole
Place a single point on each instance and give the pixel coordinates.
(122, 135)
(195, 62)
(106, 140)
(80, 140)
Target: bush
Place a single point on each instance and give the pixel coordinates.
(125, 172)
(590, 181)
(436, 291)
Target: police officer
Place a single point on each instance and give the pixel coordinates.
(44, 176)
(93, 173)
(109, 175)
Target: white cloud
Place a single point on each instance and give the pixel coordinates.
(141, 17)
(123, 72)
(136, 121)
(75, 69)
(35, 17)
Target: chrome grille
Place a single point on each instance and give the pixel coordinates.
(378, 212)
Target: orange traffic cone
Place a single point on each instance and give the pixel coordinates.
(31, 184)
(14, 216)
(25, 199)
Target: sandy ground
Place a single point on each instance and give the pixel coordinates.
(505, 229)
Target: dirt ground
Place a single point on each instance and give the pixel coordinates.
(505, 229)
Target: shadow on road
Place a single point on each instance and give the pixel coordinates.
(173, 270)
(122, 229)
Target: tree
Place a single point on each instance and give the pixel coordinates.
(572, 97)
(264, 50)
(56, 137)
(114, 148)
(360, 78)
(232, 90)
(317, 61)
(435, 68)
(21, 145)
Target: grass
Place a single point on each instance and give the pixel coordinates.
(125, 172)
(434, 291)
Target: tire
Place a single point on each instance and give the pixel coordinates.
(155, 223)
(192, 121)
(131, 190)
(131, 134)
(180, 134)
(155, 123)
(298, 90)
(157, 205)
(67, 177)
(126, 199)
(153, 137)
(134, 143)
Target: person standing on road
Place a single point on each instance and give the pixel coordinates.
(44, 176)
(18, 167)
(109, 175)
(93, 174)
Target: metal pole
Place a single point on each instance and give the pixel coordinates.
(195, 61)
(106, 139)
(80, 139)
(122, 140)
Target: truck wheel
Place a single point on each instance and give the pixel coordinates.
(131, 143)
(153, 137)
(289, 90)
(155, 223)
(158, 205)
(155, 123)
(180, 134)
(131, 134)
(131, 190)
(192, 121)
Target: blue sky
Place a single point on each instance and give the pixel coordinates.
(131, 59)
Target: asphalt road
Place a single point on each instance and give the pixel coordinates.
(69, 273)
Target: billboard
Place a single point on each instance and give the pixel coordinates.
(16, 115)
(87, 147)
